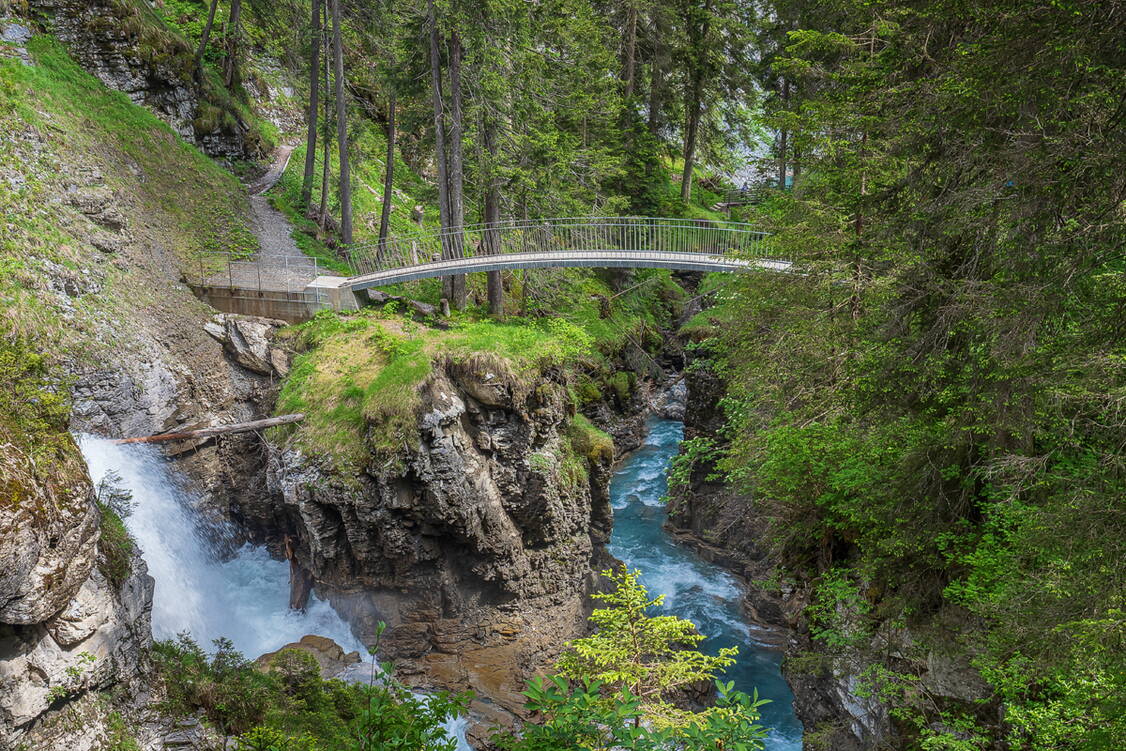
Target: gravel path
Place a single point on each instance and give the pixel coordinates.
(279, 265)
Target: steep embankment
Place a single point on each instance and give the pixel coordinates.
(721, 522)
(74, 596)
(103, 205)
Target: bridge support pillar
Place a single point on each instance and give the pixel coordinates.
(334, 292)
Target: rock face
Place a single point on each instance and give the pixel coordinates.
(478, 549)
(247, 340)
(49, 530)
(115, 44)
(65, 629)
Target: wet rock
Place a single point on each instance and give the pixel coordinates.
(671, 403)
(330, 656)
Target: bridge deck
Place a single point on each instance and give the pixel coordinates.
(609, 258)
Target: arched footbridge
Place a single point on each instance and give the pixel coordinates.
(603, 242)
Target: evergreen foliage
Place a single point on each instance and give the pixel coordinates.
(650, 657)
(931, 413)
(623, 686)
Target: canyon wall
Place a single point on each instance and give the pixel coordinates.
(69, 624)
(478, 546)
(117, 41)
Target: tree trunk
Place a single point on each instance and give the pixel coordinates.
(314, 108)
(234, 33)
(388, 175)
(692, 112)
(630, 52)
(440, 143)
(198, 66)
(241, 427)
(326, 159)
(456, 168)
(782, 138)
(491, 212)
(342, 128)
(657, 71)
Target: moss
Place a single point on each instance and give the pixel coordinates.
(590, 442)
(119, 737)
(115, 546)
(357, 377)
(34, 408)
(621, 384)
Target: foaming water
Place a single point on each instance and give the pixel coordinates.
(694, 589)
(244, 598)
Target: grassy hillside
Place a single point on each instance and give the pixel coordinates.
(74, 149)
(358, 376)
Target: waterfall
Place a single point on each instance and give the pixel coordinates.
(244, 598)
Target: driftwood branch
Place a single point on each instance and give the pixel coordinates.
(242, 427)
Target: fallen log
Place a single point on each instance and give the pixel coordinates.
(242, 427)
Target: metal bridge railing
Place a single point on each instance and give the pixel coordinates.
(561, 235)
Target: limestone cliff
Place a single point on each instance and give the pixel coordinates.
(120, 42)
(66, 626)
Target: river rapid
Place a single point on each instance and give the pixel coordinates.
(694, 589)
(245, 597)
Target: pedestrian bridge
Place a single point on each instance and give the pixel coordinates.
(604, 242)
(294, 288)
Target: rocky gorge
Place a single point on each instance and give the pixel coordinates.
(478, 540)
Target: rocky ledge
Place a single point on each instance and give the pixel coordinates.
(478, 546)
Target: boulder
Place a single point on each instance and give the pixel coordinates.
(330, 656)
(247, 339)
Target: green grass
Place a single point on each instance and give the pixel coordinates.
(369, 155)
(58, 94)
(70, 126)
(702, 199)
(357, 377)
